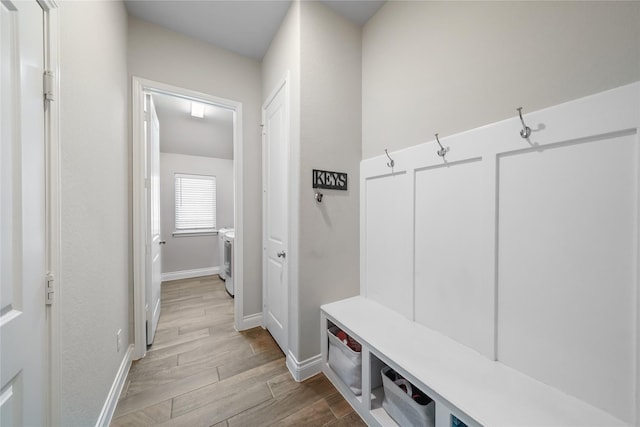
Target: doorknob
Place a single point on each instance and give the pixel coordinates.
(162, 242)
(281, 254)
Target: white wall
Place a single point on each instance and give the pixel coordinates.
(165, 56)
(193, 252)
(322, 52)
(95, 256)
(452, 66)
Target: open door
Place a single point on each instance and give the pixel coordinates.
(154, 242)
(24, 349)
(275, 205)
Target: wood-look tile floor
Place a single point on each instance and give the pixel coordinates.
(201, 372)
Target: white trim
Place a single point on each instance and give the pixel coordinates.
(139, 228)
(52, 209)
(637, 325)
(295, 180)
(116, 388)
(300, 371)
(139, 86)
(188, 274)
(194, 233)
(251, 321)
(238, 219)
(264, 208)
(283, 84)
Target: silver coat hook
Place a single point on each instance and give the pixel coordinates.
(526, 130)
(318, 196)
(442, 151)
(390, 163)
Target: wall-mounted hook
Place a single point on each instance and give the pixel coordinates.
(318, 197)
(442, 151)
(526, 130)
(390, 163)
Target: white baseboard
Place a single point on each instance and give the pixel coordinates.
(116, 388)
(188, 274)
(251, 321)
(305, 369)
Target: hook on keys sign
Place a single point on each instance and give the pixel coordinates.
(329, 180)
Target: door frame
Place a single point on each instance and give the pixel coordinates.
(152, 305)
(139, 86)
(53, 167)
(292, 253)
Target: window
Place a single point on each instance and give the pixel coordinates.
(195, 203)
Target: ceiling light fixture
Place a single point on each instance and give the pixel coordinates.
(197, 110)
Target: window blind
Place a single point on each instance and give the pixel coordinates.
(195, 202)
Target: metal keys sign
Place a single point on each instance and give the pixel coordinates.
(329, 180)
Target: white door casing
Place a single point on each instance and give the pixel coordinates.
(275, 212)
(154, 248)
(140, 87)
(23, 314)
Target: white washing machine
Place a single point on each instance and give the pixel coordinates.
(228, 261)
(221, 234)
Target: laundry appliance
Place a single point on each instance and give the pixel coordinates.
(228, 261)
(221, 235)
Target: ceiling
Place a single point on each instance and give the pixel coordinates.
(242, 26)
(180, 133)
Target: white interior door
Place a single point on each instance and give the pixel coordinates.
(23, 314)
(276, 166)
(154, 242)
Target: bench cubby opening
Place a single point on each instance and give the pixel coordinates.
(369, 404)
(462, 382)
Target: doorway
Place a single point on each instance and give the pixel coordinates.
(164, 96)
(275, 213)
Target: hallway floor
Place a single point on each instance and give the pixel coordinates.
(201, 372)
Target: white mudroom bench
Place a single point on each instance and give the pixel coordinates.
(500, 276)
(461, 381)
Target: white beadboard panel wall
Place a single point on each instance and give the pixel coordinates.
(453, 246)
(388, 233)
(525, 250)
(568, 259)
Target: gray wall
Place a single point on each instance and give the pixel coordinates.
(330, 123)
(452, 66)
(165, 56)
(193, 252)
(95, 256)
(322, 52)
(180, 133)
